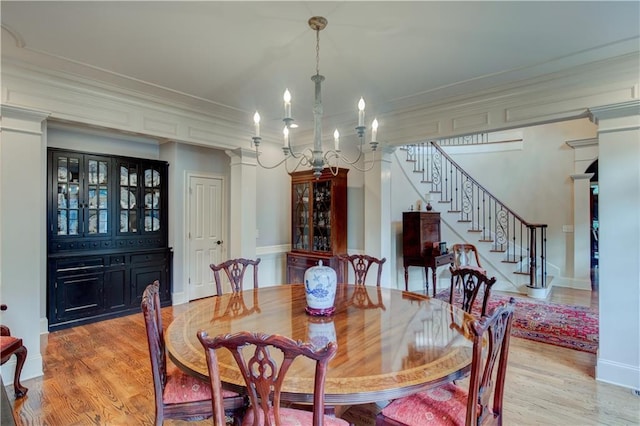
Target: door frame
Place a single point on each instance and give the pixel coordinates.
(224, 225)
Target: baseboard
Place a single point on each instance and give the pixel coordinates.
(575, 283)
(179, 298)
(44, 326)
(624, 375)
(538, 293)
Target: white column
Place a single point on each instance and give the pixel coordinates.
(242, 200)
(582, 230)
(23, 255)
(619, 243)
(378, 231)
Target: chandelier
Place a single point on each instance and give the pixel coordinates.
(316, 157)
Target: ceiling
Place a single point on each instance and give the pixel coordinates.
(239, 56)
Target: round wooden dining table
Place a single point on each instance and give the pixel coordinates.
(391, 343)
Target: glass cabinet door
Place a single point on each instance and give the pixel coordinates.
(82, 195)
(128, 196)
(152, 205)
(300, 217)
(69, 213)
(97, 177)
(322, 216)
(140, 204)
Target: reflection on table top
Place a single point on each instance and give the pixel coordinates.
(391, 343)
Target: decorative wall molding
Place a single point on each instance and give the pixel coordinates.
(582, 143)
(22, 120)
(161, 113)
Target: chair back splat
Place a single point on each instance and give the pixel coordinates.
(361, 263)
(469, 282)
(235, 270)
(464, 255)
(264, 375)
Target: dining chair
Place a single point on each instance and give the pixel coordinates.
(481, 402)
(264, 376)
(361, 263)
(177, 394)
(235, 269)
(11, 345)
(470, 281)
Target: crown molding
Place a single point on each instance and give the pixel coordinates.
(578, 92)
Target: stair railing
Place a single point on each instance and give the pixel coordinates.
(523, 243)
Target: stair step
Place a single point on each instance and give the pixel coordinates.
(497, 251)
(410, 161)
(520, 273)
(509, 261)
(464, 221)
(474, 230)
(488, 241)
(453, 211)
(426, 181)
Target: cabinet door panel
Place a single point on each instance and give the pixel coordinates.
(116, 294)
(142, 276)
(79, 296)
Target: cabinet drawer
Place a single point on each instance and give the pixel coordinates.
(149, 257)
(117, 260)
(79, 265)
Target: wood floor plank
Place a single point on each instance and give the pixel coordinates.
(99, 374)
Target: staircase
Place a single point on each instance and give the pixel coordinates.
(511, 249)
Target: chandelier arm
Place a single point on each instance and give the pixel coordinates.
(342, 157)
(273, 166)
(334, 169)
(264, 166)
(297, 155)
(366, 169)
(301, 162)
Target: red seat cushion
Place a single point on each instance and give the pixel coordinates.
(7, 342)
(444, 405)
(182, 387)
(292, 417)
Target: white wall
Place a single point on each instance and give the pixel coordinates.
(23, 229)
(619, 239)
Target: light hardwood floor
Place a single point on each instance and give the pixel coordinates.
(99, 374)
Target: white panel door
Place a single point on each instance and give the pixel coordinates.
(205, 234)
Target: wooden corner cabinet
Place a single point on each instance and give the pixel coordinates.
(318, 222)
(107, 235)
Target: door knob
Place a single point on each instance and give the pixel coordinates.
(218, 242)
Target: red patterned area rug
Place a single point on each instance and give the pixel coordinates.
(570, 326)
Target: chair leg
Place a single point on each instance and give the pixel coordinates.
(21, 355)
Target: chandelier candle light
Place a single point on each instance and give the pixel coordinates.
(315, 157)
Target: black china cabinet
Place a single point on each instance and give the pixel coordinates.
(107, 235)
